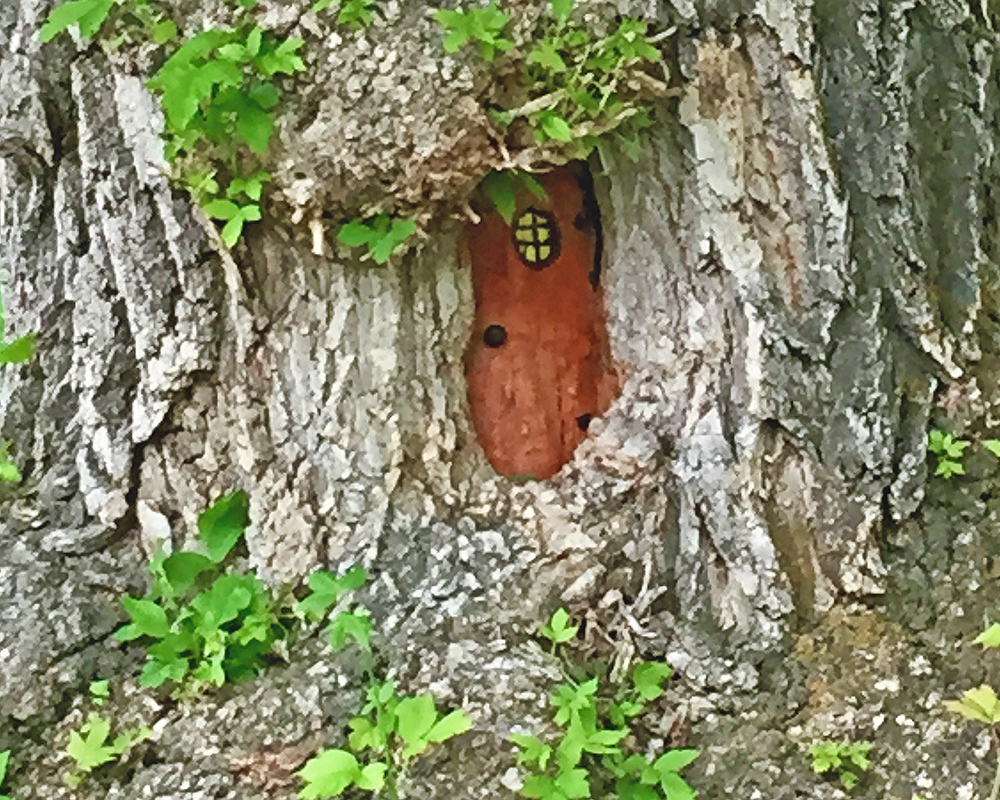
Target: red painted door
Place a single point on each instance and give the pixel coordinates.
(538, 365)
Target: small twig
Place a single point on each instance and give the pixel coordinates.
(662, 35)
(538, 104)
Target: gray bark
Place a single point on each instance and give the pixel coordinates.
(790, 269)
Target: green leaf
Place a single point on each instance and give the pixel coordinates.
(284, 59)
(454, 41)
(979, 704)
(562, 9)
(164, 31)
(266, 95)
(254, 126)
(9, 473)
(4, 760)
(648, 678)
(328, 774)
(88, 14)
(232, 231)
(222, 209)
(400, 231)
(555, 127)
(993, 445)
(356, 625)
(372, 777)
(355, 233)
(570, 700)
(183, 568)
(558, 630)
(573, 783)
(533, 750)
(499, 187)
(415, 716)
(89, 750)
(156, 672)
(453, 724)
(356, 13)
(674, 760)
(148, 619)
(19, 351)
(222, 601)
(546, 55)
(326, 590)
(254, 40)
(100, 691)
(541, 787)
(676, 788)
(221, 525)
(947, 468)
(124, 741)
(604, 742)
(365, 735)
(990, 637)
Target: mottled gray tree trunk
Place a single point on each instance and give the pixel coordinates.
(789, 270)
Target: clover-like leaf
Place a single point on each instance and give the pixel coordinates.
(981, 705)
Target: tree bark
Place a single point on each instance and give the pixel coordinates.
(789, 270)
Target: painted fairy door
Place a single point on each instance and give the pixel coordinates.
(538, 364)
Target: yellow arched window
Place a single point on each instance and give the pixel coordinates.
(536, 237)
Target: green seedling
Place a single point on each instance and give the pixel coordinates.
(380, 234)
(388, 734)
(219, 94)
(482, 25)
(558, 630)
(949, 452)
(982, 704)
(326, 592)
(89, 747)
(591, 756)
(202, 624)
(100, 691)
(849, 760)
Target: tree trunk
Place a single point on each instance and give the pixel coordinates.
(789, 269)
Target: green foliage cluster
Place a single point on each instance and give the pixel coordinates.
(380, 234)
(4, 761)
(326, 592)
(592, 755)
(356, 14)
(847, 759)
(90, 748)
(12, 351)
(483, 26)
(219, 96)
(982, 704)
(576, 87)
(949, 451)
(202, 624)
(388, 733)
(390, 730)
